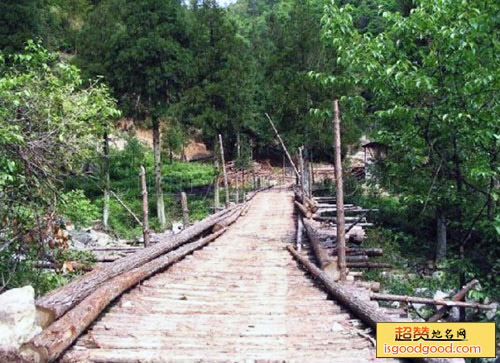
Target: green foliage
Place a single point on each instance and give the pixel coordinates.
(428, 80)
(78, 208)
(18, 23)
(48, 123)
(142, 53)
(219, 96)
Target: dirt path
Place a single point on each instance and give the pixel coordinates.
(242, 298)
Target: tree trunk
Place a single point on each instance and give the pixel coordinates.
(145, 207)
(160, 205)
(441, 236)
(53, 305)
(362, 309)
(48, 345)
(326, 263)
(185, 210)
(305, 212)
(424, 300)
(340, 192)
(107, 182)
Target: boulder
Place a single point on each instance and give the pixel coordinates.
(88, 238)
(17, 318)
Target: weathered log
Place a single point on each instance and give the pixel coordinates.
(305, 212)
(283, 146)
(352, 210)
(369, 314)
(368, 265)
(53, 305)
(326, 263)
(306, 201)
(361, 251)
(458, 297)
(228, 220)
(363, 310)
(126, 207)
(423, 300)
(357, 258)
(49, 344)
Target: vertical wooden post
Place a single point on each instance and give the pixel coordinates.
(226, 186)
(284, 170)
(310, 170)
(302, 176)
(254, 180)
(107, 182)
(145, 214)
(185, 210)
(237, 188)
(216, 193)
(300, 229)
(340, 192)
(217, 185)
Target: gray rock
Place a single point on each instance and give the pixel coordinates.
(454, 314)
(87, 238)
(441, 295)
(17, 318)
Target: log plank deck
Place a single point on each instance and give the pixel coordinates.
(242, 298)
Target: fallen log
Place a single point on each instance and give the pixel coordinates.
(458, 297)
(369, 265)
(352, 210)
(326, 263)
(51, 342)
(305, 212)
(423, 300)
(357, 258)
(223, 223)
(369, 314)
(307, 202)
(53, 305)
(363, 310)
(372, 252)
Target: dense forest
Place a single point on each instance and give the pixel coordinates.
(421, 77)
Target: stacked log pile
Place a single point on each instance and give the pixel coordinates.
(323, 235)
(66, 312)
(358, 296)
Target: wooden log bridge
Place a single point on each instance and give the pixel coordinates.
(224, 289)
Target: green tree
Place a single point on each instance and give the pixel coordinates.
(433, 78)
(144, 57)
(219, 96)
(19, 22)
(48, 123)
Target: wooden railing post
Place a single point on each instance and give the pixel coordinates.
(185, 210)
(226, 186)
(340, 192)
(145, 214)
